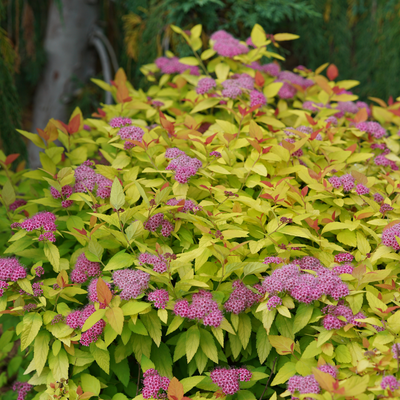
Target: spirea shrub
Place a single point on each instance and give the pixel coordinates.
(233, 231)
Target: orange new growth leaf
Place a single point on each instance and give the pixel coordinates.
(361, 116)
(62, 279)
(175, 390)
(74, 124)
(259, 79)
(103, 292)
(11, 158)
(332, 72)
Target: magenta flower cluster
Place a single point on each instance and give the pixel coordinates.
(373, 128)
(86, 179)
(174, 66)
(66, 192)
(188, 206)
(273, 302)
(257, 98)
(119, 122)
(16, 204)
(344, 257)
(270, 69)
(331, 320)
(159, 263)
(304, 286)
(131, 133)
(226, 45)
(234, 87)
(76, 319)
(43, 221)
(347, 181)
(390, 382)
(241, 298)
(183, 165)
(155, 386)
(23, 388)
(157, 220)
(159, 297)
(92, 291)
(389, 237)
(203, 308)
(205, 85)
(131, 282)
(287, 91)
(10, 270)
(228, 378)
(84, 269)
(272, 260)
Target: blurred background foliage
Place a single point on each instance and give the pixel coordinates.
(359, 36)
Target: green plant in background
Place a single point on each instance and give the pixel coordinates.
(235, 227)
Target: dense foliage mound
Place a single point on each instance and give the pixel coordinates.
(236, 227)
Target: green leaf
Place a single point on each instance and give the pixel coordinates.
(34, 138)
(342, 354)
(153, 326)
(102, 357)
(142, 193)
(8, 193)
(25, 285)
(208, 346)
(324, 336)
(175, 324)
(180, 348)
(119, 261)
(133, 307)
(117, 197)
(146, 363)
(284, 374)
(244, 329)
(204, 105)
(59, 365)
(311, 350)
(245, 395)
(31, 326)
(263, 345)
(162, 359)
(41, 350)
(53, 255)
(192, 342)
(19, 245)
(95, 317)
(302, 317)
(115, 318)
(190, 383)
(90, 384)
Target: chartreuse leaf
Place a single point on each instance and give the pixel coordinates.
(282, 344)
(30, 328)
(263, 345)
(284, 373)
(59, 365)
(302, 317)
(207, 345)
(153, 326)
(53, 255)
(115, 317)
(244, 329)
(94, 318)
(245, 395)
(192, 342)
(90, 384)
(117, 197)
(102, 357)
(119, 261)
(41, 350)
(190, 383)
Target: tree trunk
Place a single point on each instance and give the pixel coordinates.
(68, 55)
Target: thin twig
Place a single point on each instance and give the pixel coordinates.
(272, 372)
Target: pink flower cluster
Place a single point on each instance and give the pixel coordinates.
(331, 320)
(272, 260)
(119, 122)
(273, 302)
(157, 220)
(159, 297)
(233, 87)
(16, 204)
(39, 271)
(66, 192)
(131, 133)
(174, 66)
(390, 382)
(84, 269)
(241, 298)
(346, 107)
(159, 263)
(385, 162)
(257, 98)
(389, 237)
(76, 319)
(86, 180)
(378, 197)
(226, 45)
(205, 85)
(92, 291)
(347, 181)
(361, 189)
(287, 91)
(58, 318)
(228, 378)
(11, 270)
(271, 68)
(216, 154)
(385, 208)
(155, 386)
(343, 269)
(3, 285)
(298, 384)
(183, 165)
(373, 128)
(202, 308)
(303, 286)
(23, 388)
(188, 206)
(131, 282)
(44, 220)
(344, 257)
(333, 120)
(396, 351)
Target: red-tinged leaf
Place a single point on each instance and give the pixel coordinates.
(390, 309)
(166, 184)
(242, 111)
(269, 184)
(250, 110)
(173, 85)
(365, 343)
(315, 134)
(326, 221)
(310, 119)
(74, 124)
(284, 179)
(205, 187)
(186, 398)
(103, 292)
(380, 296)
(304, 191)
(287, 145)
(62, 279)
(101, 112)
(276, 112)
(259, 79)
(267, 196)
(175, 390)
(337, 90)
(211, 138)
(167, 125)
(86, 395)
(136, 143)
(312, 224)
(79, 390)
(122, 92)
(396, 112)
(361, 116)
(266, 149)
(365, 215)
(255, 144)
(332, 72)
(390, 100)
(81, 231)
(272, 129)
(11, 158)
(389, 225)
(352, 148)
(313, 174)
